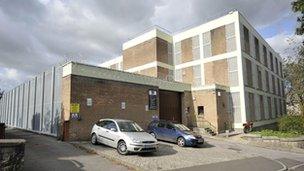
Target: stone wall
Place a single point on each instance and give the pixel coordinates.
(275, 142)
(11, 154)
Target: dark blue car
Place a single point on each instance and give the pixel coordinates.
(174, 132)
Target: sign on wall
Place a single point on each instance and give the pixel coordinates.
(123, 105)
(152, 100)
(89, 102)
(75, 108)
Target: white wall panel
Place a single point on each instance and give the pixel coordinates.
(38, 103)
(32, 104)
(47, 100)
(25, 105)
(57, 100)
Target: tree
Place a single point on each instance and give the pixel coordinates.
(298, 6)
(294, 79)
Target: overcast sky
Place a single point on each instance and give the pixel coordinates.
(36, 34)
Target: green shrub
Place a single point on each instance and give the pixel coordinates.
(279, 134)
(292, 123)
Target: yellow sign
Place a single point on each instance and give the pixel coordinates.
(75, 107)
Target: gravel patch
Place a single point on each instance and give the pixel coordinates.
(169, 156)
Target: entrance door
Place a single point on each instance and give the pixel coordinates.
(170, 106)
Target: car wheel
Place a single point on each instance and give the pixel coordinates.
(181, 142)
(94, 139)
(122, 148)
(153, 134)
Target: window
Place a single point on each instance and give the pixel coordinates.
(178, 75)
(169, 126)
(271, 61)
(284, 107)
(207, 44)
(110, 125)
(246, 40)
(276, 107)
(282, 87)
(234, 106)
(276, 65)
(281, 71)
(230, 37)
(197, 75)
(101, 123)
(265, 56)
(273, 85)
(177, 53)
(200, 110)
(233, 72)
(195, 48)
(249, 72)
(161, 125)
(280, 107)
(267, 81)
(257, 49)
(251, 107)
(279, 86)
(269, 107)
(262, 111)
(170, 53)
(259, 72)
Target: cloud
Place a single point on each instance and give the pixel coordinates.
(176, 14)
(35, 35)
(10, 77)
(285, 44)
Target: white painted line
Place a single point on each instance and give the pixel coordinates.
(297, 166)
(284, 166)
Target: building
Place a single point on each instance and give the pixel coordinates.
(217, 75)
(225, 54)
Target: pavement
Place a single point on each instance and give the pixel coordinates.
(214, 155)
(45, 153)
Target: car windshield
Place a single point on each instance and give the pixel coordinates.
(129, 127)
(181, 127)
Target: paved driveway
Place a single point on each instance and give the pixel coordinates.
(214, 155)
(46, 153)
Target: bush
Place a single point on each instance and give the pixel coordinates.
(292, 123)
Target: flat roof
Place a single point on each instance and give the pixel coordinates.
(86, 70)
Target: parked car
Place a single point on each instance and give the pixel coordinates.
(174, 132)
(124, 135)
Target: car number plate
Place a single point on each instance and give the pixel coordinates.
(200, 140)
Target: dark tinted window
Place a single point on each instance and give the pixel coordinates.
(153, 124)
(169, 126)
(110, 124)
(161, 125)
(101, 123)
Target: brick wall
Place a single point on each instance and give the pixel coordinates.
(215, 104)
(107, 97)
(216, 72)
(186, 47)
(140, 54)
(155, 49)
(152, 72)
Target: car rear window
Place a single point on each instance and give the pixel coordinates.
(161, 125)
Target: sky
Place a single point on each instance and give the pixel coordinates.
(37, 34)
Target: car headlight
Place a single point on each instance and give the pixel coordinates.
(189, 137)
(135, 140)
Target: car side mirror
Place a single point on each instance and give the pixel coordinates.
(113, 129)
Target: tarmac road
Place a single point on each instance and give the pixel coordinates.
(46, 153)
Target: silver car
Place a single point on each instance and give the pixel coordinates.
(124, 135)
